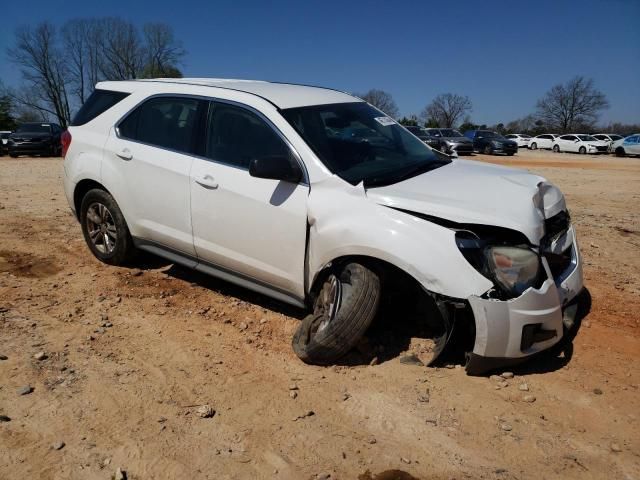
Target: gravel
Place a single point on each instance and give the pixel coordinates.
(26, 390)
(205, 411)
(40, 356)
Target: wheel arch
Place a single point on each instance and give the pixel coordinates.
(81, 189)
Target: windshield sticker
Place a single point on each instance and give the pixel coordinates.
(385, 121)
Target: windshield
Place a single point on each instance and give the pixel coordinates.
(361, 144)
(587, 138)
(34, 128)
(450, 132)
(488, 134)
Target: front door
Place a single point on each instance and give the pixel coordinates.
(251, 226)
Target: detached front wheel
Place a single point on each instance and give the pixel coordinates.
(343, 311)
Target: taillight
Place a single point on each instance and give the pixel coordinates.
(65, 140)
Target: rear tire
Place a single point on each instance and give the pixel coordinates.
(582, 150)
(533, 146)
(105, 229)
(345, 308)
(620, 152)
(556, 148)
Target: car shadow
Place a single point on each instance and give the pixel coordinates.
(147, 261)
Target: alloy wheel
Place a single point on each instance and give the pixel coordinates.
(102, 228)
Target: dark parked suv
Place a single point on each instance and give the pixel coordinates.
(423, 135)
(491, 143)
(36, 139)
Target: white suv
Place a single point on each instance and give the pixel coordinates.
(314, 197)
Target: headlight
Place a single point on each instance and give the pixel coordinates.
(514, 268)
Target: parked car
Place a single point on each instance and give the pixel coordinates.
(579, 143)
(543, 141)
(41, 138)
(244, 180)
(4, 138)
(521, 139)
(626, 146)
(451, 140)
(423, 135)
(491, 143)
(609, 138)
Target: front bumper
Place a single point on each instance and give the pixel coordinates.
(29, 148)
(509, 331)
(462, 148)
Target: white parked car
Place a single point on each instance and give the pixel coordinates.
(579, 143)
(608, 138)
(543, 141)
(520, 138)
(626, 146)
(263, 185)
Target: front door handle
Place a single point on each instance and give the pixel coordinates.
(125, 154)
(207, 181)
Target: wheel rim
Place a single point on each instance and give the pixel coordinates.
(329, 301)
(101, 228)
(534, 146)
(487, 150)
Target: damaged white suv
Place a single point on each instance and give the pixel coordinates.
(315, 198)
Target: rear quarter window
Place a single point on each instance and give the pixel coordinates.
(98, 102)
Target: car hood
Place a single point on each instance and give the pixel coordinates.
(599, 143)
(471, 192)
(457, 139)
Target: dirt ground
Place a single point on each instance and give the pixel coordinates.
(132, 353)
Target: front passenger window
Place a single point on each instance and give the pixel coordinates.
(236, 136)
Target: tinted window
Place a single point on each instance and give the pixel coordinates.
(236, 136)
(34, 128)
(163, 122)
(98, 102)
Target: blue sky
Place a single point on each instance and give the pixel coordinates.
(503, 54)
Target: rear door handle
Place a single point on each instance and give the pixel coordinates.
(207, 181)
(125, 154)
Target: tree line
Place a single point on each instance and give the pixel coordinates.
(61, 66)
(568, 107)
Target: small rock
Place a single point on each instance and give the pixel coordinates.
(495, 378)
(615, 447)
(263, 321)
(40, 356)
(595, 245)
(507, 375)
(411, 360)
(243, 326)
(4, 418)
(3, 357)
(293, 394)
(529, 398)
(523, 387)
(26, 390)
(106, 462)
(372, 440)
(405, 460)
(506, 427)
(424, 398)
(107, 324)
(293, 386)
(120, 474)
(345, 397)
(323, 476)
(597, 391)
(205, 411)
(374, 361)
(58, 445)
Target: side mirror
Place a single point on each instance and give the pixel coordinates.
(275, 167)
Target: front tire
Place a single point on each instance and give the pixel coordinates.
(488, 150)
(105, 229)
(556, 148)
(620, 152)
(582, 150)
(533, 146)
(343, 311)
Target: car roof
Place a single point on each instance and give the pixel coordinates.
(282, 95)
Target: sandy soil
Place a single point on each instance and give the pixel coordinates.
(131, 354)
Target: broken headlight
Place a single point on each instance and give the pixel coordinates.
(512, 268)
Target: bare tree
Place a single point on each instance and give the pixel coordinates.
(381, 100)
(162, 52)
(44, 71)
(75, 42)
(447, 109)
(572, 106)
(122, 52)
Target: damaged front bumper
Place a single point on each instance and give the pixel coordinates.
(510, 331)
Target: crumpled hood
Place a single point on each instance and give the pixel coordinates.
(471, 192)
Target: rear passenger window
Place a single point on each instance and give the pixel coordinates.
(165, 122)
(236, 136)
(98, 102)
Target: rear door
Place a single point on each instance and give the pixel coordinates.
(252, 226)
(148, 158)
